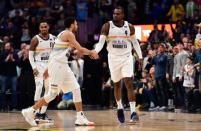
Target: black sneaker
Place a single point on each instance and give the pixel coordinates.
(134, 117)
(120, 115)
(46, 118)
(43, 118)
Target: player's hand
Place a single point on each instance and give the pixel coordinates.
(94, 55)
(45, 74)
(35, 72)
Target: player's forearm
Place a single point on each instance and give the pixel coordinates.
(100, 44)
(85, 51)
(31, 59)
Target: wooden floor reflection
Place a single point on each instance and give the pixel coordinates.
(106, 121)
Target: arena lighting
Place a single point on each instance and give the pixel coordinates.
(142, 31)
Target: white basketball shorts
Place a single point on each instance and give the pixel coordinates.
(120, 67)
(61, 78)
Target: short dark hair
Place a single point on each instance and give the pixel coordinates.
(43, 21)
(119, 8)
(68, 21)
(162, 45)
(190, 57)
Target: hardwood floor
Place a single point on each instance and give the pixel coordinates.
(106, 121)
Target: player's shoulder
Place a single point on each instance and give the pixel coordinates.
(132, 28)
(130, 25)
(34, 38)
(67, 34)
(106, 25)
(52, 36)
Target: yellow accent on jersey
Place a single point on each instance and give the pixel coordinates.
(43, 49)
(60, 46)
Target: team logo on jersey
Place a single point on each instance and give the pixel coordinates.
(119, 44)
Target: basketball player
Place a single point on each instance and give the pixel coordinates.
(40, 48)
(61, 76)
(120, 38)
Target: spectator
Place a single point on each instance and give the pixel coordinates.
(25, 35)
(197, 60)
(25, 82)
(189, 73)
(9, 61)
(160, 63)
(154, 35)
(198, 36)
(190, 8)
(176, 11)
(132, 11)
(179, 62)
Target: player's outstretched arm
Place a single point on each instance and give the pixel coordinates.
(74, 44)
(102, 39)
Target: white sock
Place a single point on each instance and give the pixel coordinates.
(119, 104)
(43, 109)
(152, 104)
(132, 106)
(80, 113)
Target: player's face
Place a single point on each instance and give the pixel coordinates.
(75, 26)
(44, 28)
(118, 15)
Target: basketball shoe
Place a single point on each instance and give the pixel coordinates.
(81, 120)
(29, 116)
(120, 115)
(134, 117)
(43, 118)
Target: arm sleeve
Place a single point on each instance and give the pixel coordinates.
(100, 44)
(31, 59)
(136, 46)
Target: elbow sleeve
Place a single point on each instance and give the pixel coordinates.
(136, 45)
(31, 59)
(100, 44)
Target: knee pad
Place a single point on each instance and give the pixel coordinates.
(51, 95)
(77, 95)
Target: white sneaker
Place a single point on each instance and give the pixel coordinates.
(29, 116)
(83, 121)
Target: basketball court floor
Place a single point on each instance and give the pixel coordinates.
(105, 121)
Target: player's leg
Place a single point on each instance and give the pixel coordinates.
(38, 90)
(43, 117)
(70, 84)
(80, 117)
(115, 72)
(127, 73)
(131, 98)
(117, 95)
(55, 81)
(28, 113)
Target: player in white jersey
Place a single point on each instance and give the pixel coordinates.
(40, 48)
(61, 77)
(119, 35)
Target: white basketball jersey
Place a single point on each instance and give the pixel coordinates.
(44, 48)
(118, 41)
(60, 52)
